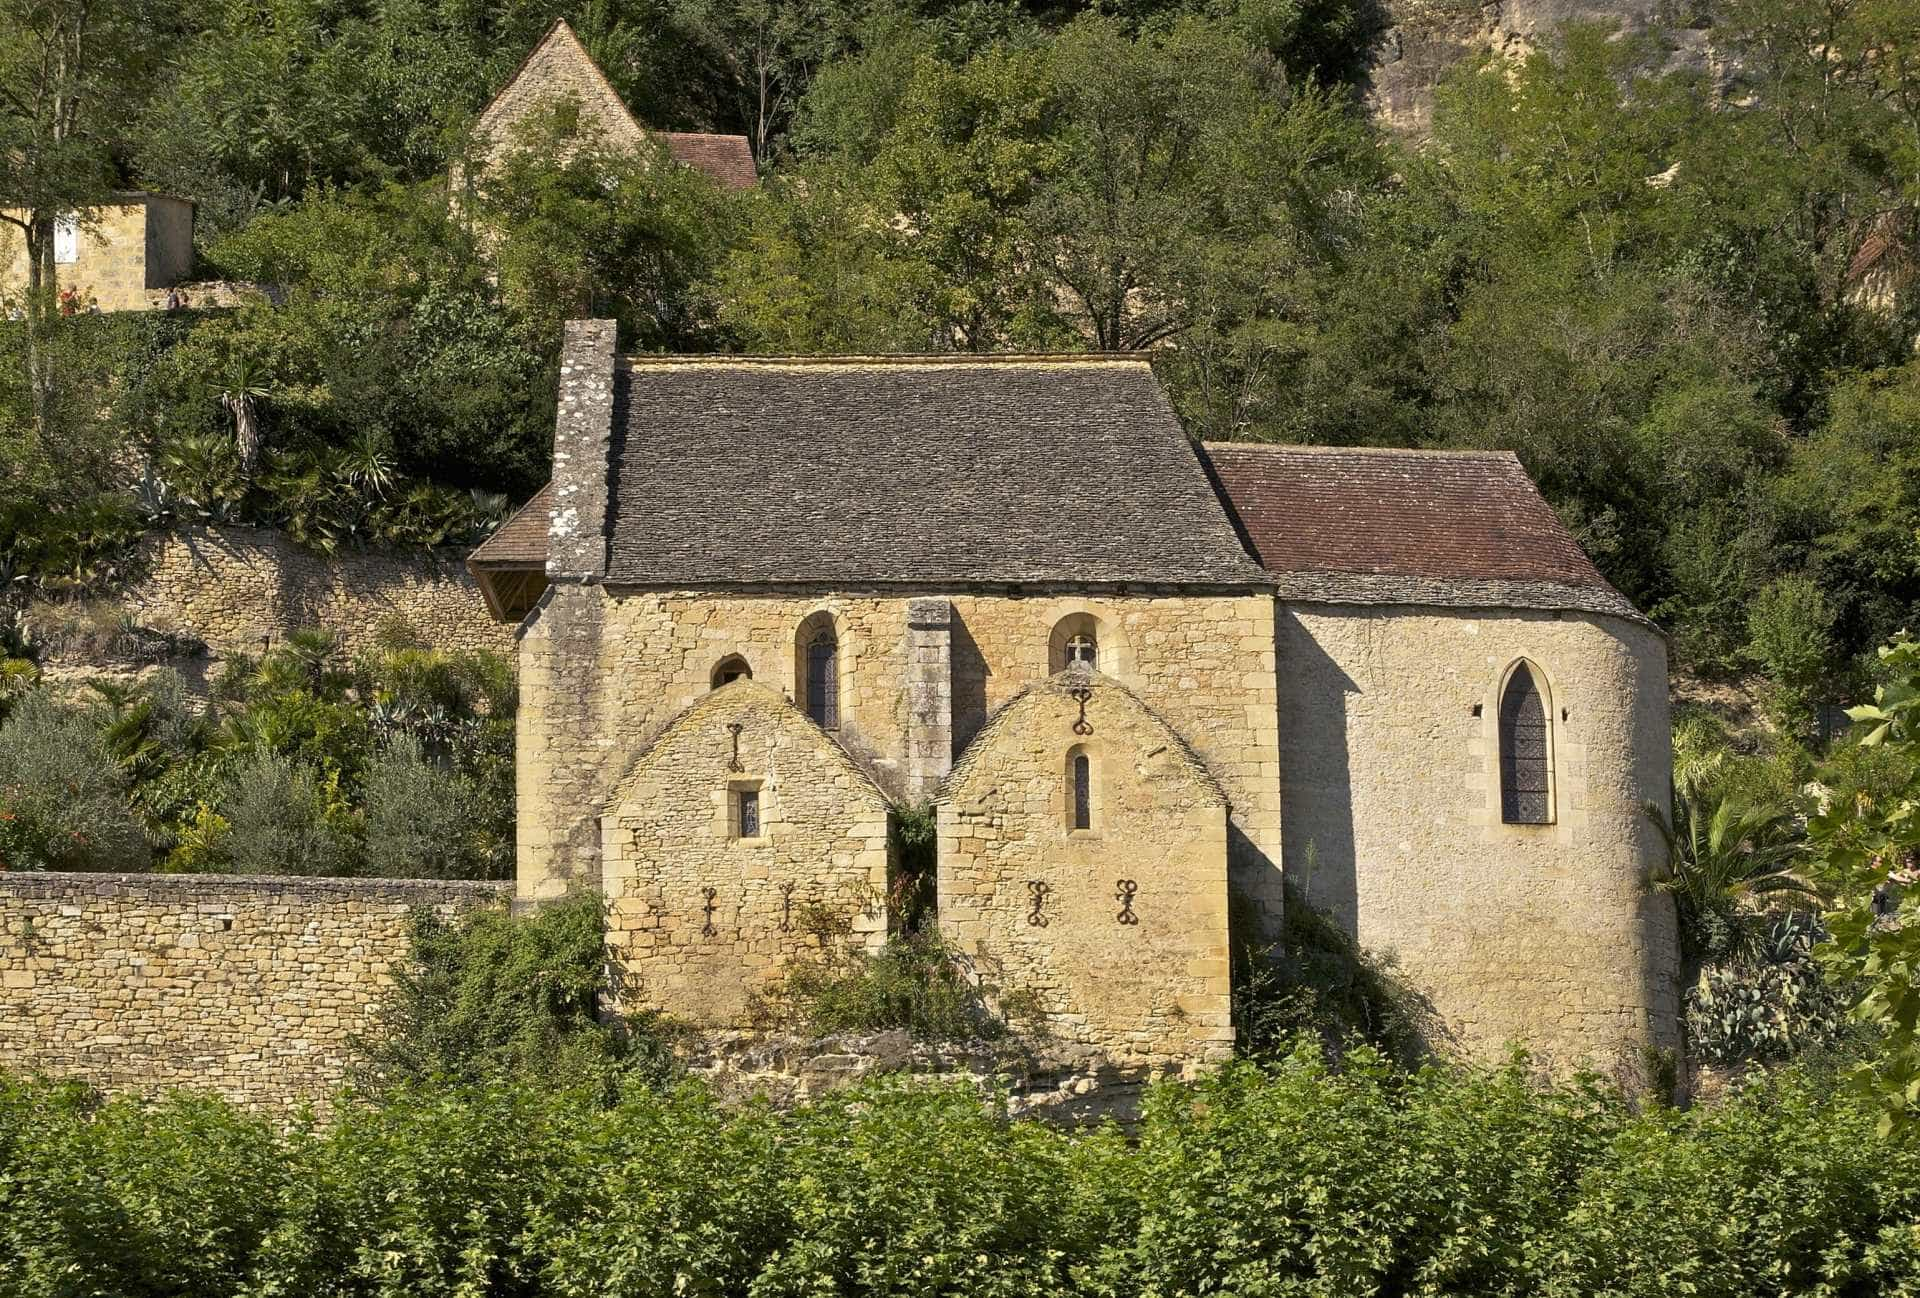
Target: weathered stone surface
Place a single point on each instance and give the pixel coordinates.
(248, 987)
(1117, 930)
(1544, 934)
(1425, 39)
(815, 870)
(602, 670)
(124, 250)
(233, 586)
(1038, 1078)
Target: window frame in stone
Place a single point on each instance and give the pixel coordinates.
(732, 668)
(66, 239)
(1080, 791)
(742, 795)
(1523, 728)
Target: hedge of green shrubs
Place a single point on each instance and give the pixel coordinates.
(1276, 1180)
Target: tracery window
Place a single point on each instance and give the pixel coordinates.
(823, 679)
(1526, 761)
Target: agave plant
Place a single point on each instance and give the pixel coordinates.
(1723, 855)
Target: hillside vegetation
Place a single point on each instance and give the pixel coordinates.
(1638, 282)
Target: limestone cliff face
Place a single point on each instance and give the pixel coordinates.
(1426, 38)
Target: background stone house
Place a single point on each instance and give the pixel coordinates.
(1143, 683)
(121, 253)
(558, 70)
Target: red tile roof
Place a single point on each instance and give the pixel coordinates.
(1374, 525)
(726, 158)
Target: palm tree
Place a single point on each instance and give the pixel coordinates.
(1723, 855)
(240, 396)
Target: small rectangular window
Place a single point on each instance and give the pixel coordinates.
(748, 817)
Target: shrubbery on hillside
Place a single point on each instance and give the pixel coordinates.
(302, 762)
(1286, 1180)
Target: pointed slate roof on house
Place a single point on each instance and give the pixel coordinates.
(928, 471)
(1379, 526)
(559, 65)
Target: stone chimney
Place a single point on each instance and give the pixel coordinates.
(582, 436)
(929, 695)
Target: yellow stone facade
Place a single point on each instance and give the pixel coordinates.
(1544, 934)
(602, 671)
(1118, 929)
(123, 251)
(707, 906)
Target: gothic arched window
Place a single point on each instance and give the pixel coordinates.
(1526, 761)
(822, 685)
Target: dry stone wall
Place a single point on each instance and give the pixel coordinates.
(232, 586)
(1119, 929)
(708, 908)
(1546, 934)
(248, 987)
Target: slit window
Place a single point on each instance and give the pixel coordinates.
(1082, 792)
(1526, 785)
(747, 813)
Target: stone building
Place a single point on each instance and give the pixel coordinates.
(559, 70)
(121, 254)
(763, 600)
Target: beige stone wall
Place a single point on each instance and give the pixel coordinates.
(1544, 934)
(1039, 906)
(816, 870)
(248, 987)
(229, 586)
(112, 261)
(602, 671)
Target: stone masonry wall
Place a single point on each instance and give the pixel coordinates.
(246, 986)
(229, 586)
(1546, 934)
(113, 253)
(1119, 929)
(704, 914)
(601, 671)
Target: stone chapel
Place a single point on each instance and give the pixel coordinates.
(764, 601)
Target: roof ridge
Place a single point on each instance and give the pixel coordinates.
(864, 359)
(1437, 452)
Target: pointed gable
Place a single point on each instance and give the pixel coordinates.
(560, 68)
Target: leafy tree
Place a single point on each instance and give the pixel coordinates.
(1868, 851)
(1723, 855)
(72, 70)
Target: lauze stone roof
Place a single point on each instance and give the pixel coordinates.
(1377, 526)
(928, 471)
(945, 472)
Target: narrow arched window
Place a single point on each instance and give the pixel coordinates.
(730, 669)
(1082, 792)
(1526, 765)
(1075, 642)
(823, 680)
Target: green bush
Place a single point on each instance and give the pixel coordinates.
(914, 982)
(1289, 1178)
(284, 819)
(63, 799)
(426, 822)
(493, 995)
